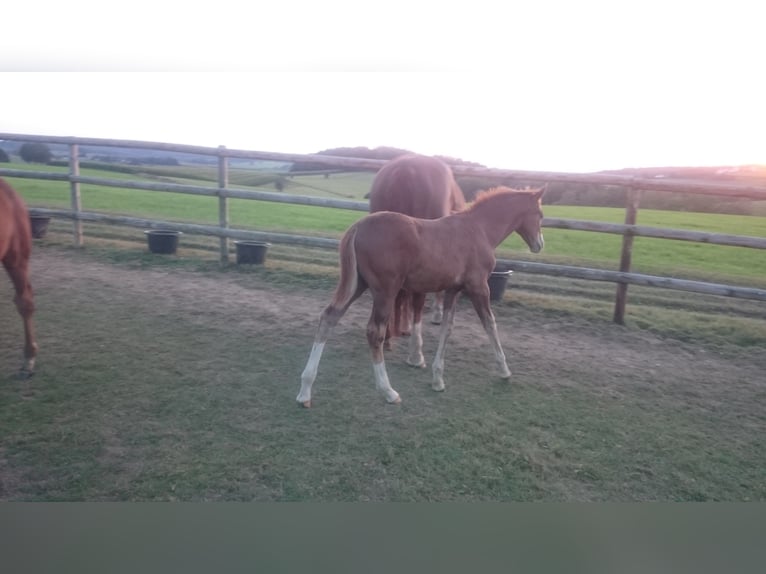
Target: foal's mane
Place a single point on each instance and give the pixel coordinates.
(483, 196)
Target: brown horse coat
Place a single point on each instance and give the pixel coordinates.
(15, 250)
(386, 252)
(418, 186)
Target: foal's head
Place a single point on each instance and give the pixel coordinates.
(531, 221)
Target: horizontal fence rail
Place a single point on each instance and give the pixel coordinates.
(635, 279)
(326, 242)
(657, 232)
(223, 192)
(192, 228)
(648, 184)
(555, 223)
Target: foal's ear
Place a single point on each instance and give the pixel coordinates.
(539, 193)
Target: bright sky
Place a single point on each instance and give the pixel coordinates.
(536, 84)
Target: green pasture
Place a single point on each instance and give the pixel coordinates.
(598, 250)
(174, 378)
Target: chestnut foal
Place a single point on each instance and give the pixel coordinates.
(386, 252)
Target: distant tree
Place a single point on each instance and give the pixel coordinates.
(472, 185)
(4, 156)
(35, 153)
(355, 152)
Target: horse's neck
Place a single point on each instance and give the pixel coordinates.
(495, 217)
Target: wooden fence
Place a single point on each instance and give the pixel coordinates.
(223, 192)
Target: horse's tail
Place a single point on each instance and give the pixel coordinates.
(349, 275)
(456, 197)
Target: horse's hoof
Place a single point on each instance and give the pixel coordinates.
(25, 374)
(417, 364)
(305, 404)
(396, 401)
(438, 388)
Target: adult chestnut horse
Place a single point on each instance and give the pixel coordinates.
(386, 252)
(15, 248)
(419, 186)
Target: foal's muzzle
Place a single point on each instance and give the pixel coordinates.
(537, 245)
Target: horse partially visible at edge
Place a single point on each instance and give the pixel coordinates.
(386, 252)
(418, 186)
(15, 250)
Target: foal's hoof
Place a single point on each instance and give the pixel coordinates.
(305, 404)
(396, 401)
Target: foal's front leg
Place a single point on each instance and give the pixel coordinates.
(480, 300)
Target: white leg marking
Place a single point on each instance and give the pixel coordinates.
(416, 358)
(383, 384)
(309, 374)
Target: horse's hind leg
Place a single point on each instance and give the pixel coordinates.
(25, 304)
(399, 323)
(327, 321)
(403, 313)
(415, 357)
(376, 334)
(449, 316)
(438, 313)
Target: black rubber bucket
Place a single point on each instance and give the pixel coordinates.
(162, 241)
(39, 225)
(251, 252)
(498, 281)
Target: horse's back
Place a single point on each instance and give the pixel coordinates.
(415, 185)
(15, 229)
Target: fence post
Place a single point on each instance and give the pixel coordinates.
(223, 201)
(631, 210)
(74, 192)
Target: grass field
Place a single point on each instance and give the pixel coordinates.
(164, 379)
(174, 378)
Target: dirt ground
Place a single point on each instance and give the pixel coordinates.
(629, 355)
(594, 411)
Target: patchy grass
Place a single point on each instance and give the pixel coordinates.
(166, 378)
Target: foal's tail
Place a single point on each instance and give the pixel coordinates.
(349, 275)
